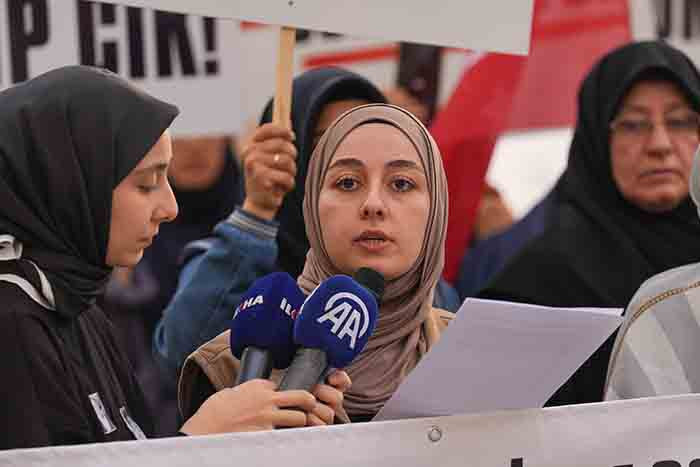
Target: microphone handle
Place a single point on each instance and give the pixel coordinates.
(255, 363)
(306, 370)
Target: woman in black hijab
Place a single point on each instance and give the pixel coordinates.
(623, 210)
(204, 176)
(83, 161)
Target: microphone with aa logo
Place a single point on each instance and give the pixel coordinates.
(263, 324)
(333, 327)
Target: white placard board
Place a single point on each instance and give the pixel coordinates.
(496, 25)
(191, 61)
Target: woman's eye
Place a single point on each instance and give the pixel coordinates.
(346, 183)
(151, 183)
(402, 184)
(633, 126)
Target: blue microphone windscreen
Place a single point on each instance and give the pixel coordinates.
(338, 317)
(265, 318)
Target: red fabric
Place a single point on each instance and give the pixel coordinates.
(501, 92)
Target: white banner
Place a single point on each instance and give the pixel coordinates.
(496, 25)
(660, 432)
(190, 61)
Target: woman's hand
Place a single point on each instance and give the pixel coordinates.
(269, 163)
(330, 399)
(252, 406)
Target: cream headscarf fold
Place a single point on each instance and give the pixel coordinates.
(405, 330)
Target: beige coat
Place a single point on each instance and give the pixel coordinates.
(215, 362)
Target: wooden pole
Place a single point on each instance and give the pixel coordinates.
(282, 107)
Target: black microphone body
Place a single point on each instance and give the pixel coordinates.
(262, 326)
(255, 363)
(309, 367)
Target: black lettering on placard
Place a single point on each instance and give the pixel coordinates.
(24, 36)
(172, 40)
(86, 30)
(86, 33)
(110, 49)
(137, 64)
(211, 65)
(691, 18)
(517, 462)
(665, 27)
(663, 18)
(171, 29)
(694, 463)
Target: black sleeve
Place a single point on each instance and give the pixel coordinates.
(38, 406)
(540, 276)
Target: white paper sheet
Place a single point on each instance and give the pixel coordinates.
(499, 355)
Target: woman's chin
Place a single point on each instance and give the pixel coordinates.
(127, 260)
(388, 272)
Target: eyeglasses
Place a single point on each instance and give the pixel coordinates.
(685, 125)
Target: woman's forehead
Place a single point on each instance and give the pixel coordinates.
(376, 140)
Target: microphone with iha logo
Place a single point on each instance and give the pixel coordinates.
(333, 327)
(262, 326)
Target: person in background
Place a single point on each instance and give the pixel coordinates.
(488, 256)
(623, 212)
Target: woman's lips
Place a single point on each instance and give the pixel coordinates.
(372, 245)
(660, 173)
(372, 240)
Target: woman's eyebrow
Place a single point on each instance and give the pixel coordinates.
(348, 162)
(157, 167)
(403, 164)
(677, 106)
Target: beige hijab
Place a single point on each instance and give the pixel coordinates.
(406, 328)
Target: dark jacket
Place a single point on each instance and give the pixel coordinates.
(56, 372)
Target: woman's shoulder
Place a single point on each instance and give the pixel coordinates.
(662, 287)
(25, 326)
(17, 304)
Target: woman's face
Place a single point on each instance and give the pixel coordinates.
(652, 142)
(140, 203)
(198, 162)
(374, 202)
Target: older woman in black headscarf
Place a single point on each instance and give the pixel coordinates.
(83, 164)
(624, 213)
